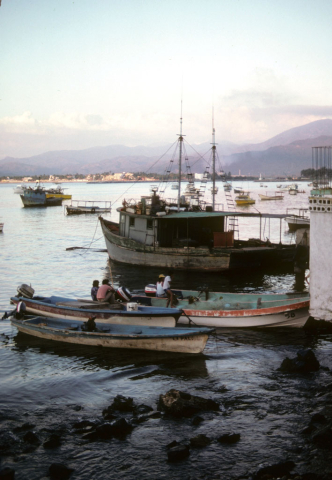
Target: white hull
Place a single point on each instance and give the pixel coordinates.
(176, 344)
(221, 319)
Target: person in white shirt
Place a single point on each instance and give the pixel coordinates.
(167, 289)
(160, 286)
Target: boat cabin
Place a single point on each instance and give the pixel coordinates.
(176, 229)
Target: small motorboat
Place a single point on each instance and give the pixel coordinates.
(244, 198)
(235, 310)
(176, 340)
(297, 220)
(78, 207)
(129, 313)
(272, 196)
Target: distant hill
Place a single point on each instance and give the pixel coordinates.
(282, 160)
(287, 153)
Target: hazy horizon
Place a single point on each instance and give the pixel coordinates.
(80, 75)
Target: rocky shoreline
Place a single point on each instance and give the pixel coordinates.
(20, 442)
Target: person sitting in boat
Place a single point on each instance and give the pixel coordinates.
(167, 289)
(94, 290)
(106, 292)
(160, 286)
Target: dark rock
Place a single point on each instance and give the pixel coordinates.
(53, 441)
(123, 404)
(84, 424)
(200, 441)
(276, 470)
(25, 426)
(109, 414)
(59, 471)
(8, 442)
(181, 404)
(323, 437)
(121, 427)
(197, 420)
(229, 438)
(7, 473)
(317, 326)
(303, 363)
(178, 453)
(141, 409)
(32, 438)
(308, 430)
(175, 443)
(318, 418)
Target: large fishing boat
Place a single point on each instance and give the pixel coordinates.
(187, 233)
(37, 197)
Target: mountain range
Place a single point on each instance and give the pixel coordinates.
(285, 154)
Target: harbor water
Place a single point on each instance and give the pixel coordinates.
(49, 387)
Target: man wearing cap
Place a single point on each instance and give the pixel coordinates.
(167, 288)
(160, 286)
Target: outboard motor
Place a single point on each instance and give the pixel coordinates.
(150, 290)
(123, 294)
(21, 310)
(25, 290)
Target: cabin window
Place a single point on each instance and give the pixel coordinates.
(122, 219)
(131, 221)
(149, 224)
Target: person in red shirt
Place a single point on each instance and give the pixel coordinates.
(105, 292)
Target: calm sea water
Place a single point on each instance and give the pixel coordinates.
(52, 386)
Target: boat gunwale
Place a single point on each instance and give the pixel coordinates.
(130, 313)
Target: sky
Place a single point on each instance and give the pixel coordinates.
(80, 74)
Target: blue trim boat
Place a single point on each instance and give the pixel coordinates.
(82, 310)
(176, 340)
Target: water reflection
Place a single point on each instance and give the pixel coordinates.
(277, 279)
(182, 365)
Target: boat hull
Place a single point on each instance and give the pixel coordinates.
(294, 318)
(163, 318)
(294, 223)
(162, 339)
(266, 197)
(238, 310)
(82, 210)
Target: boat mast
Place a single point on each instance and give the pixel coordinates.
(180, 158)
(213, 161)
